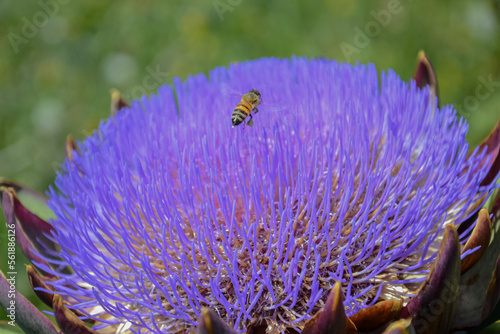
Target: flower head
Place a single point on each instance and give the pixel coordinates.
(348, 176)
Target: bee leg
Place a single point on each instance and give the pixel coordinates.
(250, 122)
(255, 110)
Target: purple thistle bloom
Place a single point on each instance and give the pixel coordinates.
(347, 175)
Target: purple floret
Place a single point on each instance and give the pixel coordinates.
(346, 176)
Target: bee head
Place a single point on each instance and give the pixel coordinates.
(256, 92)
(255, 96)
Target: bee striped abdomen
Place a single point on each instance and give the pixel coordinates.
(241, 112)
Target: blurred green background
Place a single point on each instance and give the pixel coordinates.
(59, 59)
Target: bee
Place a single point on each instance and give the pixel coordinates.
(248, 103)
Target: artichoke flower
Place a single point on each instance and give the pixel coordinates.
(354, 205)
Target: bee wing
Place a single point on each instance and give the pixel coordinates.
(227, 91)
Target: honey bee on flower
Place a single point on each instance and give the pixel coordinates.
(245, 107)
